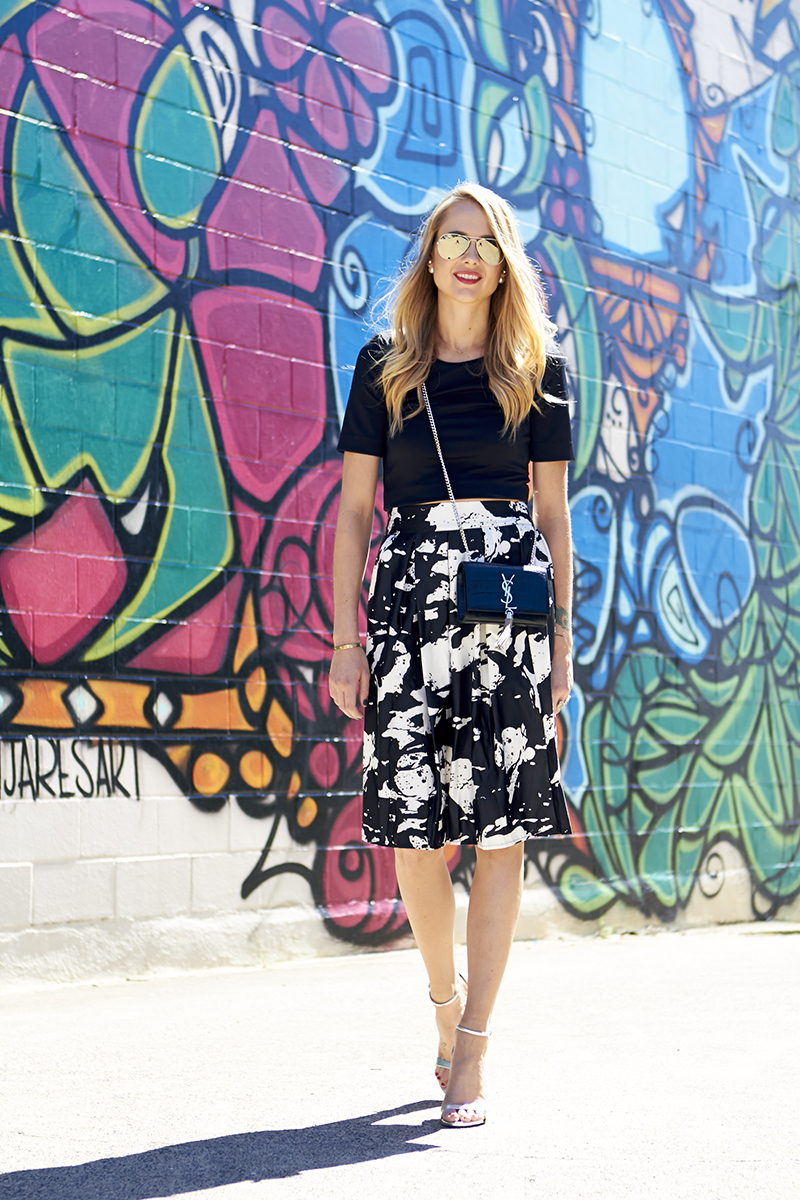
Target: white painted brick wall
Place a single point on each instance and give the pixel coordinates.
(39, 830)
(112, 828)
(73, 891)
(217, 880)
(16, 892)
(183, 829)
(153, 887)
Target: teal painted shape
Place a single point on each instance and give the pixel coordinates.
(197, 539)
(103, 404)
(16, 306)
(73, 246)
(178, 153)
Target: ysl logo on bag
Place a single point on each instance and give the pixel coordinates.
(508, 585)
(503, 639)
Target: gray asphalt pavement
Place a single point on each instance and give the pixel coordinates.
(650, 1066)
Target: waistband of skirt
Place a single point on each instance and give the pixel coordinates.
(474, 514)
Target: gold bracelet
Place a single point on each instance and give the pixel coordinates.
(348, 646)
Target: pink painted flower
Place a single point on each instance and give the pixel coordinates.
(328, 67)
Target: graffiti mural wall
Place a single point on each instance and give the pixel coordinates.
(200, 207)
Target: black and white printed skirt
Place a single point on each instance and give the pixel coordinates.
(459, 737)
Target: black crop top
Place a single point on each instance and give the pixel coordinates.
(481, 462)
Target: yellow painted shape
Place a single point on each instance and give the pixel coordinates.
(256, 689)
(307, 812)
(210, 774)
(255, 769)
(279, 728)
(179, 755)
(248, 637)
(212, 710)
(294, 786)
(123, 702)
(42, 704)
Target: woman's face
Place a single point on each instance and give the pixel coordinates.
(468, 278)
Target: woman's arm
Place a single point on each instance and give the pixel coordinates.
(551, 514)
(349, 676)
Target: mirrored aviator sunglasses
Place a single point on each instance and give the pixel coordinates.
(453, 245)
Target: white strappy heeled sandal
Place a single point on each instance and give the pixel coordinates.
(442, 1063)
(476, 1107)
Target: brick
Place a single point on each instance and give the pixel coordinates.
(16, 891)
(217, 881)
(73, 891)
(116, 827)
(183, 829)
(38, 831)
(153, 887)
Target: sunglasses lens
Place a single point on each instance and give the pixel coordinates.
(452, 245)
(489, 251)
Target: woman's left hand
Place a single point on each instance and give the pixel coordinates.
(561, 676)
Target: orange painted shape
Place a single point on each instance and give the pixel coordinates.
(450, 852)
(212, 710)
(42, 704)
(255, 769)
(279, 728)
(123, 702)
(210, 774)
(294, 786)
(307, 812)
(179, 755)
(256, 688)
(248, 637)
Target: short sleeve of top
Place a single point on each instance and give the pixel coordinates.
(481, 460)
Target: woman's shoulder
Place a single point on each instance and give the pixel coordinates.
(554, 381)
(375, 350)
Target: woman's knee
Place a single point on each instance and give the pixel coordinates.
(417, 862)
(504, 859)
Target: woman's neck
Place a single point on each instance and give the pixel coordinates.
(461, 331)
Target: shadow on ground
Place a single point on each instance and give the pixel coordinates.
(238, 1158)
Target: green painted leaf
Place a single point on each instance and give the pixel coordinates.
(580, 304)
(584, 893)
(702, 791)
(729, 738)
(662, 783)
(490, 30)
(731, 324)
(675, 724)
(786, 118)
(655, 861)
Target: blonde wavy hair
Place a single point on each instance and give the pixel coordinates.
(520, 332)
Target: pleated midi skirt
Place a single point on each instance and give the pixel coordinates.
(459, 737)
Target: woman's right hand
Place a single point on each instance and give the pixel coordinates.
(348, 681)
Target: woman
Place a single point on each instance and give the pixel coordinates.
(459, 736)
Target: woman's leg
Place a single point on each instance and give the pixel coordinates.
(494, 903)
(427, 893)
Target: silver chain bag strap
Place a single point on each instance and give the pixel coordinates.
(494, 593)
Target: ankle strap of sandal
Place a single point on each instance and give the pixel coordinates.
(475, 1032)
(453, 998)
